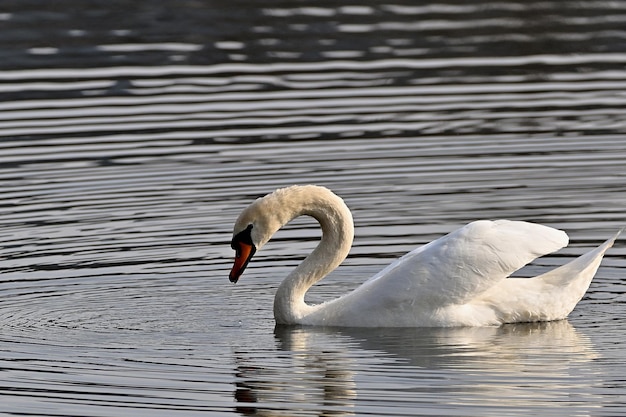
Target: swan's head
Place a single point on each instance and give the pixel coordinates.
(261, 219)
(254, 227)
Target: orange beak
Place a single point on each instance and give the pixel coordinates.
(243, 254)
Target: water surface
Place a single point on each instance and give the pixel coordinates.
(132, 134)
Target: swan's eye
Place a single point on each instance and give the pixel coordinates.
(237, 249)
(245, 236)
(242, 238)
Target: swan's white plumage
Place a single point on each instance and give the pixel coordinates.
(460, 279)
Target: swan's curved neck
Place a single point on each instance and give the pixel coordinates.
(337, 234)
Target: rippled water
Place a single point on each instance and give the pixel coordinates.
(132, 134)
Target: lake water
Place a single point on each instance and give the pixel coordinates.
(132, 134)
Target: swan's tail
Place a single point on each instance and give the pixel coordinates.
(550, 296)
(567, 284)
(581, 270)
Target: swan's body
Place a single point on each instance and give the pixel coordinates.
(457, 280)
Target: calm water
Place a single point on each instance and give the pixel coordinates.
(132, 134)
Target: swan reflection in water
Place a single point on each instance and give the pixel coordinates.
(318, 371)
(310, 373)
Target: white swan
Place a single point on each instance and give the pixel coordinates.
(457, 280)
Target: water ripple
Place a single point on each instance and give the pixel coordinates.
(128, 150)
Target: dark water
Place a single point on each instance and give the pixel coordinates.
(133, 133)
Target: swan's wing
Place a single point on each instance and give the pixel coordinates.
(463, 264)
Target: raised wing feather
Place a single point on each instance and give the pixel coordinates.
(463, 264)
